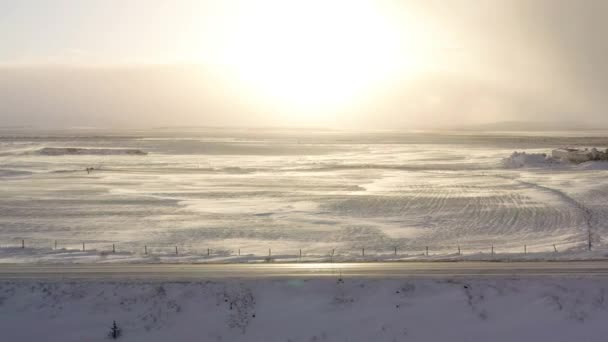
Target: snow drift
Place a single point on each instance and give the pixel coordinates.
(61, 151)
(539, 160)
(523, 159)
(13, 173)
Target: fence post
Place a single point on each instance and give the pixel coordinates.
(525, 249)
(269, 252)
(22, 243)
(83, 248)
(146, 250)
(176, 250)
(208, 252)
(492, 249)
(395, 250)
(459, 250)
(554, 248)
(239, 252)
(300, 253)
(363, 251)
(427, 250)
(113, 248)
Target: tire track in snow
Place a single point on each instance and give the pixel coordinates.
(586, 212)
(462, 209)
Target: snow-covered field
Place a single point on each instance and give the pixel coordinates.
(460, 309)
(322, 192)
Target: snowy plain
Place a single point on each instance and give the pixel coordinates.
(332, 194)
(458, 309)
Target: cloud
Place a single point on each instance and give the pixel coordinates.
(494, 61)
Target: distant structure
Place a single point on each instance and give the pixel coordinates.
(575, 155)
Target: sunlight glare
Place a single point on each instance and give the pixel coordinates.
(313, 58)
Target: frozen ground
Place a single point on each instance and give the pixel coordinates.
(460, 309)
(286, 191)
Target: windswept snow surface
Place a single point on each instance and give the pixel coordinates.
(60, 151)
(459, 309)
(320, 191)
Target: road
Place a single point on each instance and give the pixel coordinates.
(183, 272)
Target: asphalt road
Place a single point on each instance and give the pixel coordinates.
(182, 272)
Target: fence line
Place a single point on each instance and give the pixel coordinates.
(107, 247)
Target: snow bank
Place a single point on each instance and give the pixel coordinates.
(540, 160)
(60, 151)
(593, 166)
(104, 255)
(13, 173)
(460, 309)
(523, 159)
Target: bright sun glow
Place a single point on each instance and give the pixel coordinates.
(314, 58)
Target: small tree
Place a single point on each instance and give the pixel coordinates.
(115, 331)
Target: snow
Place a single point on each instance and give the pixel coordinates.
(593, 165)
(60, 151)
(523, 159)
(519, 160)
(13, 173)
(258, 191)
(104, 255)
(416, 309)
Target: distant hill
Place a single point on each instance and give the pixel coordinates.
(535, 126)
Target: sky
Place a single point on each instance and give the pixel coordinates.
(334, 63)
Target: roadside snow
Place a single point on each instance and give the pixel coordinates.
(74, 256)
(460, 309)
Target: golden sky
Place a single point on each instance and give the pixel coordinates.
(369, 64)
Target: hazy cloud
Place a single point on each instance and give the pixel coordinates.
(500, 61)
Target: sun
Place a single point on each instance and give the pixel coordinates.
(310, 59)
